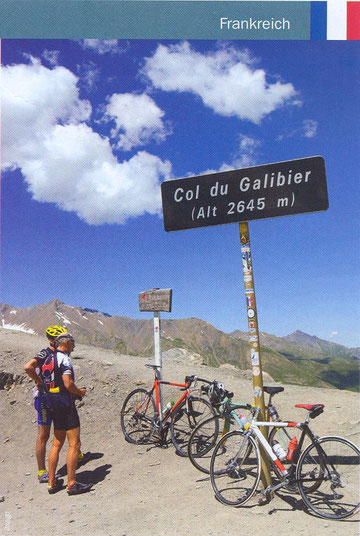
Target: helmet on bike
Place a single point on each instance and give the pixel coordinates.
(216, 393)
(55, 331)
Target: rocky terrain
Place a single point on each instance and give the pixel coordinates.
(141, 490)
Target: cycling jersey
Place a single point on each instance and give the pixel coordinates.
(54, 366)
(41, 402)
(40, 358)
(63, 410)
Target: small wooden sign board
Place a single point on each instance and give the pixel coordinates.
(155, 299)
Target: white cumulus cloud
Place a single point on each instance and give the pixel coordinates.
(308, 129)
(33, 100)
(104, 46)
(137, 120)
(89, 75)
(225, 80)
(63, 160)
(52, 56)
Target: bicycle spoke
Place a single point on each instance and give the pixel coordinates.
(138, 416)
(185, 419)
(203, 440)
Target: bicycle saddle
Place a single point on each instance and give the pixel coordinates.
(315, 409)
(273, 390)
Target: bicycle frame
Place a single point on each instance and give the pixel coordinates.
(156, 388)
(158, 398)
(232, 407)
(227, 401)
(305, 429)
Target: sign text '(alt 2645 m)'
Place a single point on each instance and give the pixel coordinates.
(273, 180)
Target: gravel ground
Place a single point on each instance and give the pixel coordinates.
(142, 490)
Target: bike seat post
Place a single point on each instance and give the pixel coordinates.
(157, 373)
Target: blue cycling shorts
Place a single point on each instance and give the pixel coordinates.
(41, 404)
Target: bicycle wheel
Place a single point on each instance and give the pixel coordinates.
(138, 416)
(333, 464)
(203, 440)
(235, 468)
(185, 418)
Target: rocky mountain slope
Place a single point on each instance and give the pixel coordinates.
(330, 362)
(298, 358)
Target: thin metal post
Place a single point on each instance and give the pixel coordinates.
(157, 352)
(254, 339)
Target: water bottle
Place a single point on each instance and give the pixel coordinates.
(273, 413)
(279, 451)
(244, 422)
(168, 407)
(291, 449)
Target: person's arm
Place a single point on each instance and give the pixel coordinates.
(71, 386)
(30, 369)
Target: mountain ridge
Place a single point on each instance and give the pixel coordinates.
(313, 362)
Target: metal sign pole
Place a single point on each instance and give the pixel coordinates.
(157, 351)
(254, 338)
(156, 300)
(157, 346)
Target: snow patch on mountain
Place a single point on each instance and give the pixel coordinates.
(18, 327)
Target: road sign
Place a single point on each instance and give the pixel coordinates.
(156, 299)
(268, 191)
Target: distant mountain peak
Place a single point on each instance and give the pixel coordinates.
(55, 303)
(301, 335)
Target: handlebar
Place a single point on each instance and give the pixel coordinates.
(191, 379)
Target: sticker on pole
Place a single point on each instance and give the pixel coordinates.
(257, 392)
(155, 299)
(267, 191)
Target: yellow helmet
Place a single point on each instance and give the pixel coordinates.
(55, 331)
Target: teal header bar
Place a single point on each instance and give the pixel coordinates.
(148, 19)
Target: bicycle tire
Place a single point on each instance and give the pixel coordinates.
(138, 415)
(203, 440)
(334, 462)
(184, 420)
(235, 475)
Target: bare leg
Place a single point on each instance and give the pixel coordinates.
(72, 456)
(59, 438)
(42, 438)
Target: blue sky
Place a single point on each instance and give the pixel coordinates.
(90, 129)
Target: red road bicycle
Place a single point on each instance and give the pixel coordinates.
(143, 420)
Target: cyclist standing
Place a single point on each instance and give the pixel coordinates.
(58, 375)
(41, 402)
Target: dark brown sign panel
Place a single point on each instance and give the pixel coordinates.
(155, 299)
(268, 191)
